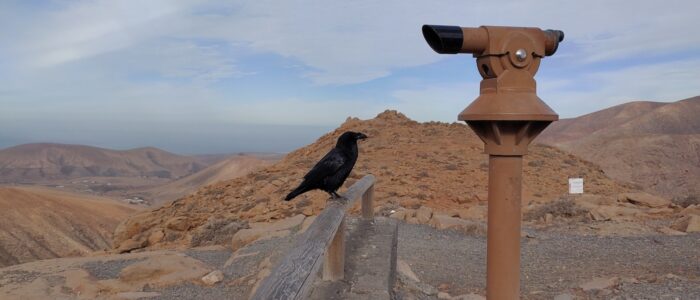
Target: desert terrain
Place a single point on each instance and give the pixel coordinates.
(42, 223)
(653, 145)
(66, 200)
(616, 240)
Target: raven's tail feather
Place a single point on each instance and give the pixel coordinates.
(296, 192)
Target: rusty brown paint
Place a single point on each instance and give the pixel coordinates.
(507, 116)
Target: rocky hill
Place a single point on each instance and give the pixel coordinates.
(437, 165)
(654, 145)
(41, 223)
(31, 163)
(226, 169)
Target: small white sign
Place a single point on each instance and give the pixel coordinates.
(575, 185)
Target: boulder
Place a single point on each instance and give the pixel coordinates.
(412, 220)
(689, 223)
(213, 277)
(446, 222)
(644, 199)
(669, 231)
(410, 203)
(178, 224)
(607, 212)
(691, 210)
(423, 214)
(477, 212)
(399, 215)
(131, 244)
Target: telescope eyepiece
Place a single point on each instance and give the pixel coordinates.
(444, 39)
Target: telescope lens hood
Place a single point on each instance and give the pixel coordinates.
(444, 39)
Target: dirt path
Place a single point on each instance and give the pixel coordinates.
(554, 263)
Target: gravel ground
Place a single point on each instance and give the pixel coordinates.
(108, 269)
(554, 263)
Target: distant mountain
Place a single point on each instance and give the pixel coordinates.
(654, 145)
(227, 169)
(37, 162)
(40, 223)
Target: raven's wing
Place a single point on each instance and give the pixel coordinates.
(328, 166)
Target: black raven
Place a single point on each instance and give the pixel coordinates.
(332, 170)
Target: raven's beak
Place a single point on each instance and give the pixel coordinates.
(361, 136)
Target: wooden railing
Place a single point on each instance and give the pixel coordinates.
(293, 276)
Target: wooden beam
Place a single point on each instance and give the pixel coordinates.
(293, 276)
(368, 204)
(334, 262)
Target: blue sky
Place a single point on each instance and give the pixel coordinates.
(226, 76)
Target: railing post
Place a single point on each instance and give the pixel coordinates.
(368, 203)
(334, 263)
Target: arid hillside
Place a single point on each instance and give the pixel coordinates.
(227, 169)
(40, 223)
(33, 163)
(437, 165)
(655, 146)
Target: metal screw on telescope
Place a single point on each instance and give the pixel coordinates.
(507, 116)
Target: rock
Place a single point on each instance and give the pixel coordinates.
(453, 213)
(689, 223)
(607, 212)
(564, 297)
(213, 277)
(131, 244)
(412, 220)
(178, 224)
(691, 210)
(405, 270)
(443, 295)
(669, 231)
(399, 215)
(155, 237)
(477, 212)
(548, 218)
(644, 199)
(423, 214)
(469, 297)
(410, 203)
(283, 224)
(660, 211)
(246, 236)
(599, 284)
(463, 199)
(308, 211)
(446, 222)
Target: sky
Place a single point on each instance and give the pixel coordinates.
(196, 77)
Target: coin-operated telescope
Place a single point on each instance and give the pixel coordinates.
(507, 116)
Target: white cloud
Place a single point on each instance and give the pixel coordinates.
(435, 103)
(669, 81)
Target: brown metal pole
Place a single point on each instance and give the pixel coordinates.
(507, 116)
(503, 246)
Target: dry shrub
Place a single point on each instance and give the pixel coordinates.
(687, 200)
(562, 207)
